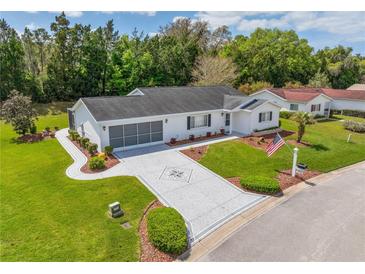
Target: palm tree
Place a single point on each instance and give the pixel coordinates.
(303, 119)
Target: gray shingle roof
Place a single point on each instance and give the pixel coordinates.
(160, 101)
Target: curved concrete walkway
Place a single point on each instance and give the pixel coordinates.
(74, 170)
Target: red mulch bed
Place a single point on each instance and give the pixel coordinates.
(284, 177)
(261, 142)
(301, 144)
(31, 138)
(286, 180)
(110, 160)
(195, 153)
(148, 252)
(196, 139)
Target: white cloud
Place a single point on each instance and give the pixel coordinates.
(70, 13)
(176, 18)
(32, 26)
(152, 34)
(148, 13)
(349, 25)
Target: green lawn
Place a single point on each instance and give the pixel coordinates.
(329, 151)
(45, 216)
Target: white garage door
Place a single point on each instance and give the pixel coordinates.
(135, 134)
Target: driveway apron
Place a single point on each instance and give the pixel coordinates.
(203, 198)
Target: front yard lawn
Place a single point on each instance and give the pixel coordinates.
(45, 216)
(329, 151)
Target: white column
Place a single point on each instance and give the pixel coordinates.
(230, 122)
(295, 157)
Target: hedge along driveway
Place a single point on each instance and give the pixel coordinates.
(329, 151)
(45, 216)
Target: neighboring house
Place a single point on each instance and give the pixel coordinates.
(357, 87)
(149, 116)
(314, 100)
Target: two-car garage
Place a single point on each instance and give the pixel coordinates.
(128, 135)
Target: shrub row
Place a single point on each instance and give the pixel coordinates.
(260, 184)
(166, 230)
(354, 126)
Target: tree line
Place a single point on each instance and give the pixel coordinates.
(75, 61)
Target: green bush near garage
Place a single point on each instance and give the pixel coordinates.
(166, 230)
(260, 184)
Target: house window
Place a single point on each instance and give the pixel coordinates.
(228, 119)
(316, 107)
(294, 107)
(199, 121)
(265, 116)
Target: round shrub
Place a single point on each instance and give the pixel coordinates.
(92, 148)
(166, 230)
(108, 150)
(260, 184)
(96, 163)
(85, 142)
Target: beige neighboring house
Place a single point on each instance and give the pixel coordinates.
(357, 87)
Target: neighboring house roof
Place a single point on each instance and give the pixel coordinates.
(357, 87)
(308, 94)
(163, 100)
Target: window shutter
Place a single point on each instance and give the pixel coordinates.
(260, 117)
(270, 115)
(319, 107)
(188, 122)
(209, 120)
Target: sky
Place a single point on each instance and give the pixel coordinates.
(321, 29)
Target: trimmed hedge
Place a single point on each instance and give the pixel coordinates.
(108, 150)
(96, 163)
(260, 184)
(166, 230)
(354, 126)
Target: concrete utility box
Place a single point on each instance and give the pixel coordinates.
(114, 210)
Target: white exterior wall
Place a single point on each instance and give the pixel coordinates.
(91, 128)
(241, 122)
(245, 122)
(175, 127)
(318, 100)
(256, 125)
(348, 104)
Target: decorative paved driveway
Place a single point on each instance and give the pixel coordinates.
(204, 199)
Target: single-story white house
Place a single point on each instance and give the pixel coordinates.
(315, 100)
(149, 116)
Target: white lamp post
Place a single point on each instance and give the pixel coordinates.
(295, 157)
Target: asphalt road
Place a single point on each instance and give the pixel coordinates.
(325, 222)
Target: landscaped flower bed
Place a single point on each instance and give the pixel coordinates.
(195, 153)
(97, 162)
(193, 139)
(261, 142)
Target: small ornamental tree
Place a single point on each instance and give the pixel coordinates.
(302, 119)
(17, 110)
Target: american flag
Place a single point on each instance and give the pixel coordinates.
(275, 145)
